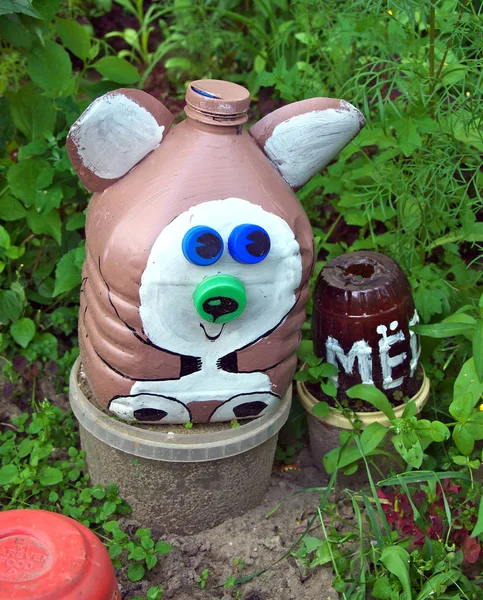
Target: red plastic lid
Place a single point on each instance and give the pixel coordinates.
(46, 556)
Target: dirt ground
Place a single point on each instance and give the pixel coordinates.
(253, 538)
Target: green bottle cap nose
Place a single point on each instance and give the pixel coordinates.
(220, 299)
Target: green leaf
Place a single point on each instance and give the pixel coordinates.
(33, 148)
(382, 589)
(410, 449)
(328, 370)
(46, 200)
(162, 547)
(329, 388)
(74, 37)
(396, 561)
(321, 409)
(50, 68)
(7, 474)
(410, 409)
(10, 306)
(474, 425)
(137, 553)
(115, 550)
(18, 6)
(410, 215)
(305, 349)
(151, 561)
(302, 376)
(49, 224)
(147, 542)
(50, 476)
(371, 438)
(32, 113)
(47, 9)
(478, 348)
(460, 317)
(322, 555)
(13, 32)
(117, 69)
(110, 526)
(478, 530)
(312, 543)
(442, 330)
(461, 407)
(25, 447)
(423, 476)
(23, 331)
(468, 382)
(68, 273)
(23, 178)
(4, 238)
(178, 63)
(11, 209)
(135, 572)
(428, 301)
(463, 439)
(7, 126)
(371, 394)
(407, 134)
(439, 432)
(99, 493)
(437, 584)
(76, 221)
(155, 593)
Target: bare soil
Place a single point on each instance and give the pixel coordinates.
(253, 538)
(256, 540)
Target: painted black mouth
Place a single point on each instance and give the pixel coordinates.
(212, 338)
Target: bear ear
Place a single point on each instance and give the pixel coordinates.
(115, 132)
(301, 138)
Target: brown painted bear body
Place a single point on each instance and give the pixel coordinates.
(197, 163)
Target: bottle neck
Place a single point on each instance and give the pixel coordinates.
(218, 120)
(213, 127)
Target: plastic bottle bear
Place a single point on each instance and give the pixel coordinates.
(198, 251)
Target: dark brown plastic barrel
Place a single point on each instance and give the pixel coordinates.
(362, 311)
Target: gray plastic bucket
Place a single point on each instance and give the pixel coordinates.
(179, 482)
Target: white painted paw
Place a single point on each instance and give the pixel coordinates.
(150, 408)
(245, 406)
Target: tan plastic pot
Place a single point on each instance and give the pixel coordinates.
(324, 432)
(179, 482)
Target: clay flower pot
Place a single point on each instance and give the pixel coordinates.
(324, 432)
(362, 311)
(47, 556)
(176, 479)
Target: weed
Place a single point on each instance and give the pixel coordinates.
(203, 579)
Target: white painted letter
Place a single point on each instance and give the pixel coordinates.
(415, 345)
(360, 350)
(389, 362)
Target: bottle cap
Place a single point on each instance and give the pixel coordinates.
(249, 244)
(217, 102)
(220, 299)
(202, 245)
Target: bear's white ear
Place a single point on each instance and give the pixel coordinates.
(301, 138)
(115, 132)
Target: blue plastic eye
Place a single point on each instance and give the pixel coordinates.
(249, 244)
(202, 245)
